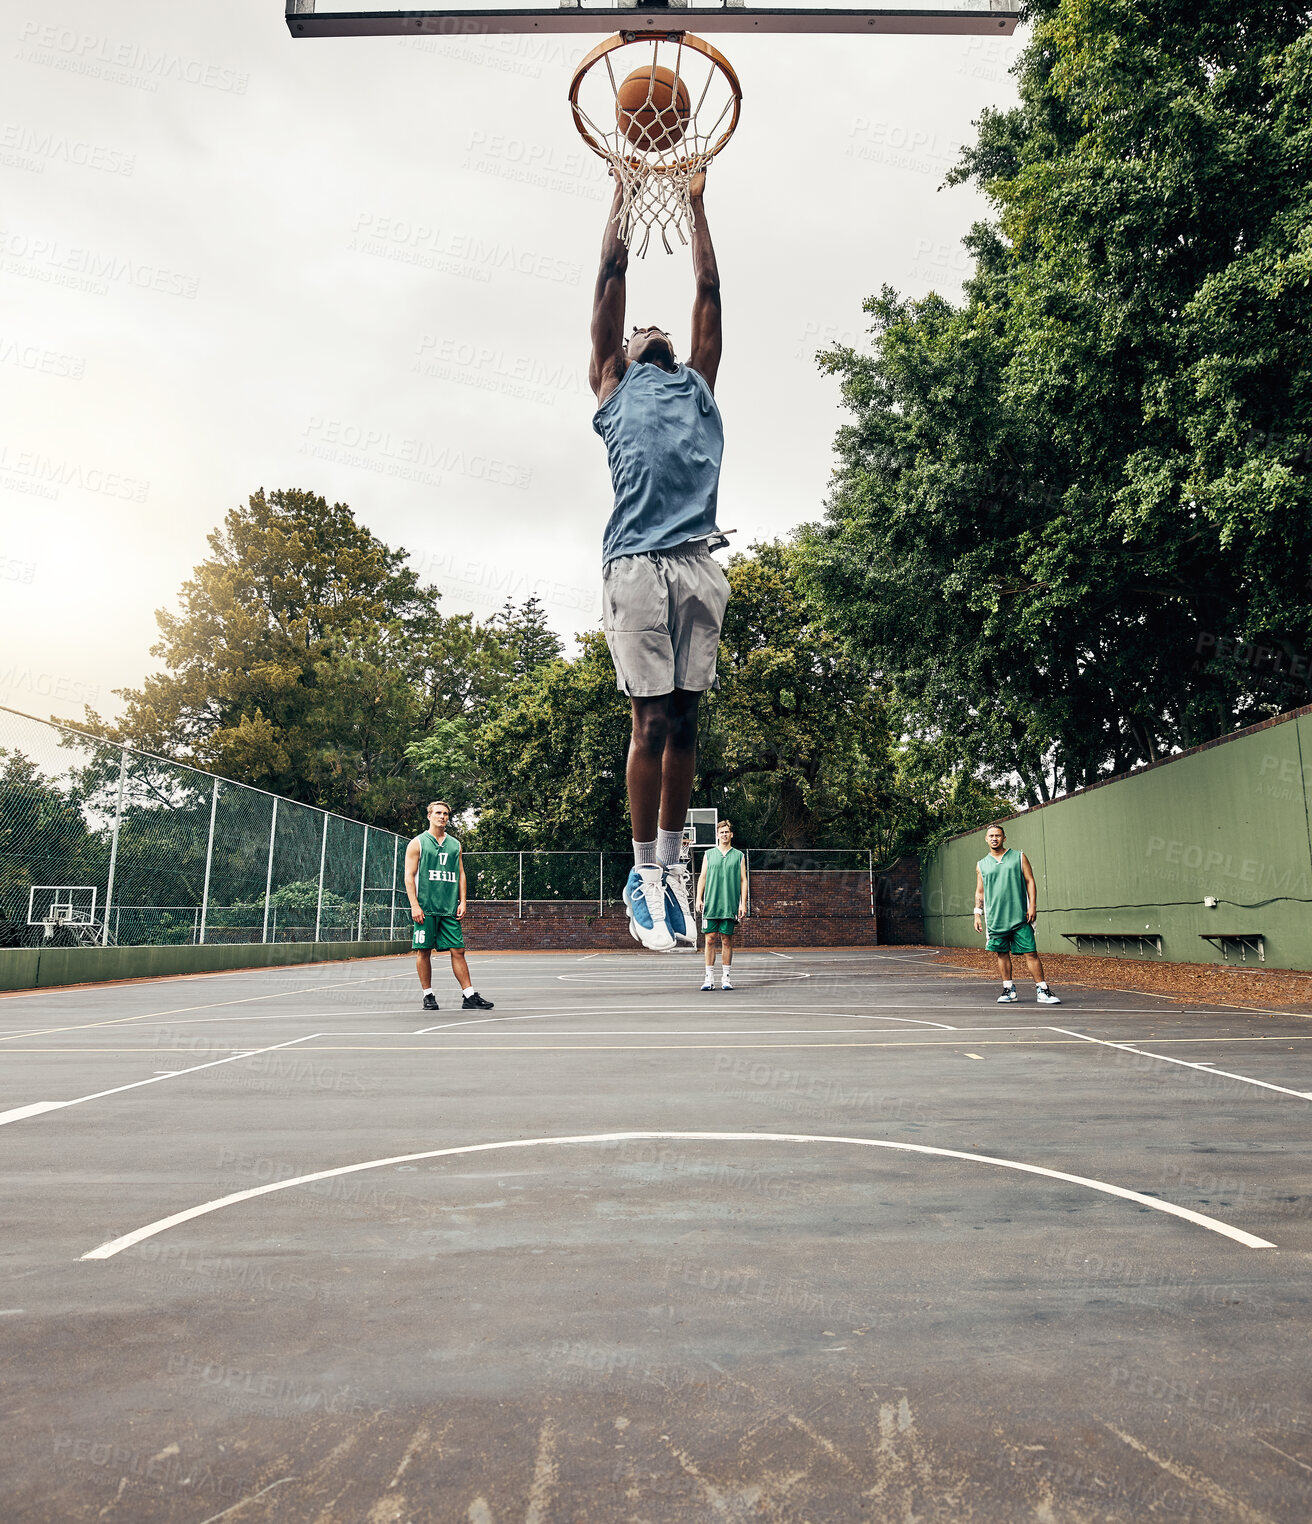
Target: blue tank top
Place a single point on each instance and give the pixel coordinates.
(665, 441)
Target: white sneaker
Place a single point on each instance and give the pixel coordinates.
(726, 983)
(708, 983)
(644, 897)
(1046, 997)
(678, 912)
(1008, 995)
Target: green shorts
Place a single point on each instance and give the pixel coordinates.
(720, 928)
(1020, 939)
(439, 933)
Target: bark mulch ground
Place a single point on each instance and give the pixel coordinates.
(1185, 983)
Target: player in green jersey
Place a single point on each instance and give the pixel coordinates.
(435, 882)
(1006, 901)
(721, 902)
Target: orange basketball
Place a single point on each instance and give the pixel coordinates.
(652, 109)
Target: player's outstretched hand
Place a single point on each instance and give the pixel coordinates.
(697, 186)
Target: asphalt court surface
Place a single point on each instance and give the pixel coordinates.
(849, 1242)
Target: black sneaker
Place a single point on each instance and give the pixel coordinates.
(475, 1002)
(430, 1003)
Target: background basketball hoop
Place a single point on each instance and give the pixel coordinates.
(658, 118)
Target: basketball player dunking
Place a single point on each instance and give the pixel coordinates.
(663, 595)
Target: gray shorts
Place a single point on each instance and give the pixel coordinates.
(662, 613)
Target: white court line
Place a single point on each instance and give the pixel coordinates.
(485, 1021)
(34, 1110)
(609, 978)
(213, 1005)
(663, 1032)
(39, 1106)
(781, 955)
(1213, 1224)
(1205, 1068)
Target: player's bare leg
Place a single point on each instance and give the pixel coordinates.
(424, 968)
(460, 968)
(662, 762)
(710, 939)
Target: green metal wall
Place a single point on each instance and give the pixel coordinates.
(1139, 854)
(25, 968)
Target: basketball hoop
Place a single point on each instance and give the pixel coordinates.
(657, 127)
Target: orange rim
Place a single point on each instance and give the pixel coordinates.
(687, 40)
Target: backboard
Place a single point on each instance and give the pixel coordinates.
(338, 18)
(61, 905)
(699, 828)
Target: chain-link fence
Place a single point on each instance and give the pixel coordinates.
(104, 844)
(597, 878)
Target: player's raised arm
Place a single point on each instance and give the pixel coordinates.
(707, 339)
(607, 366)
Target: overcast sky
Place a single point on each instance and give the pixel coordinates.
(364, 267)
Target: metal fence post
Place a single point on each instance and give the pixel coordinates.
(113, 846)
(209, 865)
(323, 858)
(521, 886)
(747, 860)
(364, 860)
(268, 877)
(871, 856)
(391, 897)
(601, 883)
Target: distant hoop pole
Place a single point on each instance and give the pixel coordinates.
(685, 39)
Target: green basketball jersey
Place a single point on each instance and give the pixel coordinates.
(438, 879)
(1006, 900)
(724, 884)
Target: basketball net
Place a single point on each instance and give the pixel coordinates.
(654, 174)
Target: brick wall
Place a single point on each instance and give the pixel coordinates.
(788, 910)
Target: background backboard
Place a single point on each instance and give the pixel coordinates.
(61, 904)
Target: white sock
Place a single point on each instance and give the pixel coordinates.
(644, 854)
(428, 991)
(668, 846)
(467, 991)
(1008, 984)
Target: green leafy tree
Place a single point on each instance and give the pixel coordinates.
(1070, 526)
(796, 731)
(307, 659)
(551, 758)
(287, 576)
